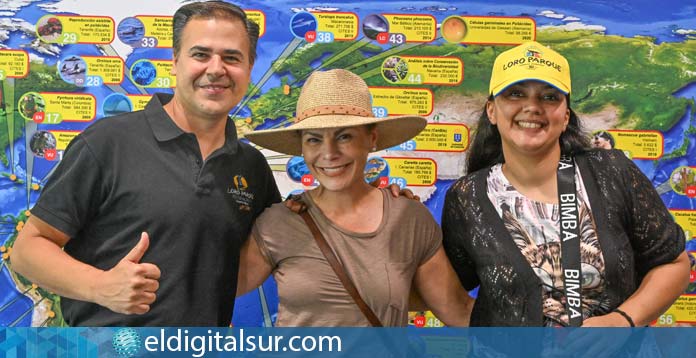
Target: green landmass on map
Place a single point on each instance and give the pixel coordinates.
(635, 75)
(274, 103)
(37, 293)
(41, 78)
(7, 122)
(5, 137)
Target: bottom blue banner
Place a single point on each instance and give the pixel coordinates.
(346, 342)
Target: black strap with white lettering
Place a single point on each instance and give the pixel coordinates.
(570, 240)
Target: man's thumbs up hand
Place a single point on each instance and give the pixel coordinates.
(130, 286)
(137, 252)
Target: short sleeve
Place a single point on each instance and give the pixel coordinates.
(655, 237)
(431, 235)
(257, 234)
(74, 191)
(276, 231)
(454, 232)
(412, 233)
(271, 194)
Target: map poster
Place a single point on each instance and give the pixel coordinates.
(65, 64)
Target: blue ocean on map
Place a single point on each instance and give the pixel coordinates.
(658, 20)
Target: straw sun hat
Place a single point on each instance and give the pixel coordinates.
(336, 99)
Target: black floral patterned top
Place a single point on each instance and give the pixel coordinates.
(635, 230)
(535, 228)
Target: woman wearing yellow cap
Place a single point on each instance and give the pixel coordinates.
(553, 232)
(352, 257)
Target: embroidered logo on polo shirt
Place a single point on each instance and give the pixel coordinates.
(239, 192)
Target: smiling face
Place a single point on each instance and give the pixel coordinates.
(530, 117)
(213, 67)
(336, 157)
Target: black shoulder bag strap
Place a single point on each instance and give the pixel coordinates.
(570, 240)
(301, 209)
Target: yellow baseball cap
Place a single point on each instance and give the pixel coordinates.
(530, 61)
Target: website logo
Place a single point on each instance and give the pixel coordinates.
(126, 342)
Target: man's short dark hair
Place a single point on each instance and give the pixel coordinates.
(210, 10)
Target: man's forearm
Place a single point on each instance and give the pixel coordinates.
(47, 265)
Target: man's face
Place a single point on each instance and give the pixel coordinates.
(212, 68)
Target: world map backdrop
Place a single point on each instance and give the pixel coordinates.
(66, 64)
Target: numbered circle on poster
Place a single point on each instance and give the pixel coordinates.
(301, 23)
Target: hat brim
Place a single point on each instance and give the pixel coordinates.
(552, 82)
(391, 131)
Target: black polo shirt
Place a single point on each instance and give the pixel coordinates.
(140, 172)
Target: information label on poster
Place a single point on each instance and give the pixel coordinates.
(686, 219)
(442, 137)
(682, 311)
(400, 101)
(164, 76)
(63, 138)
(416, 171)
(424, 319)
(75, 29)
(259, 17)
(158, 28)
(639, 144)
(498, 30)
(109, 69)
(90, 29)
(153, 74)
(429, 70)
(139, 101)
(415, 28)
(13, 64)
(71, 107)
(343, 25)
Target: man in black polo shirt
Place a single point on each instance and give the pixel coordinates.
(151, 207)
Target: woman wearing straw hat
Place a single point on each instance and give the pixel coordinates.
(376, 245)
(555, 233)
